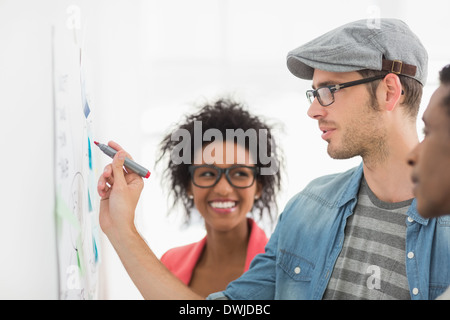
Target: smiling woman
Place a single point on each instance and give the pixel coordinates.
(222, 179)
(224, 200)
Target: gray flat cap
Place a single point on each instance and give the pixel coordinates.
(389, 46)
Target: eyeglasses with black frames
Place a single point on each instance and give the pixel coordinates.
(325, 94)
(238, 176)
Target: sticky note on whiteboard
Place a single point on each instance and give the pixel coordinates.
(86, 109)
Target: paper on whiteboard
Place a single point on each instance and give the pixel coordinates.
(76, 212)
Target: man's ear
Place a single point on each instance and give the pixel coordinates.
(392, 91)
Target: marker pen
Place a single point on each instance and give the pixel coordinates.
(130, 164)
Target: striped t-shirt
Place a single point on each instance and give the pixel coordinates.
(371, 264)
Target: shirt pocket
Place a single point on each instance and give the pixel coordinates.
(298, 268)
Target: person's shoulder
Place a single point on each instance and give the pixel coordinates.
(329, 180)
(178, 254)
(329, 188)
(177, 251)
(181, 260)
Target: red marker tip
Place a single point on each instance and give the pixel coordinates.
(147, 175)
(96, 143)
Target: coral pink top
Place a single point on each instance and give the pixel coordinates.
(181, 261)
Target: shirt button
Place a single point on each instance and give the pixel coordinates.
(415, 291)
(297, 270)
(410, 255)
(410, 219)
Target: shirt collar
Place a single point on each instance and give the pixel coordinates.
(414, 214)
(352, 189)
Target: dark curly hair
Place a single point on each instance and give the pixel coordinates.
(221, 115)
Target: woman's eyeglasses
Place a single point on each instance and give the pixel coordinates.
(207, 176)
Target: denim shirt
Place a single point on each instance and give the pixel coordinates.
(306, 243)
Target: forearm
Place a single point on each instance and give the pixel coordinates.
(150, 276)
(120, 193)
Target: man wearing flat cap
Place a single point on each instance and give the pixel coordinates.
(351, 235)
(357, 234)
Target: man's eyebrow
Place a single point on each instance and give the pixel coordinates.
(324, 84)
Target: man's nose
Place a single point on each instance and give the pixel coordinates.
(316, 111)
(411, 159)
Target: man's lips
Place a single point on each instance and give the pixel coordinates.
(326, 132)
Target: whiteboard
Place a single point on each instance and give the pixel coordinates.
(77, 227)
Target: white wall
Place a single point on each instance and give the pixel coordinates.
(149, 60)
(27, 230)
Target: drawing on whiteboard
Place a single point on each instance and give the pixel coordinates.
(77, 226)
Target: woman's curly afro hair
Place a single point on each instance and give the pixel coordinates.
(223, 114)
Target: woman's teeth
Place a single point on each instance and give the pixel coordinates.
(223, 205)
